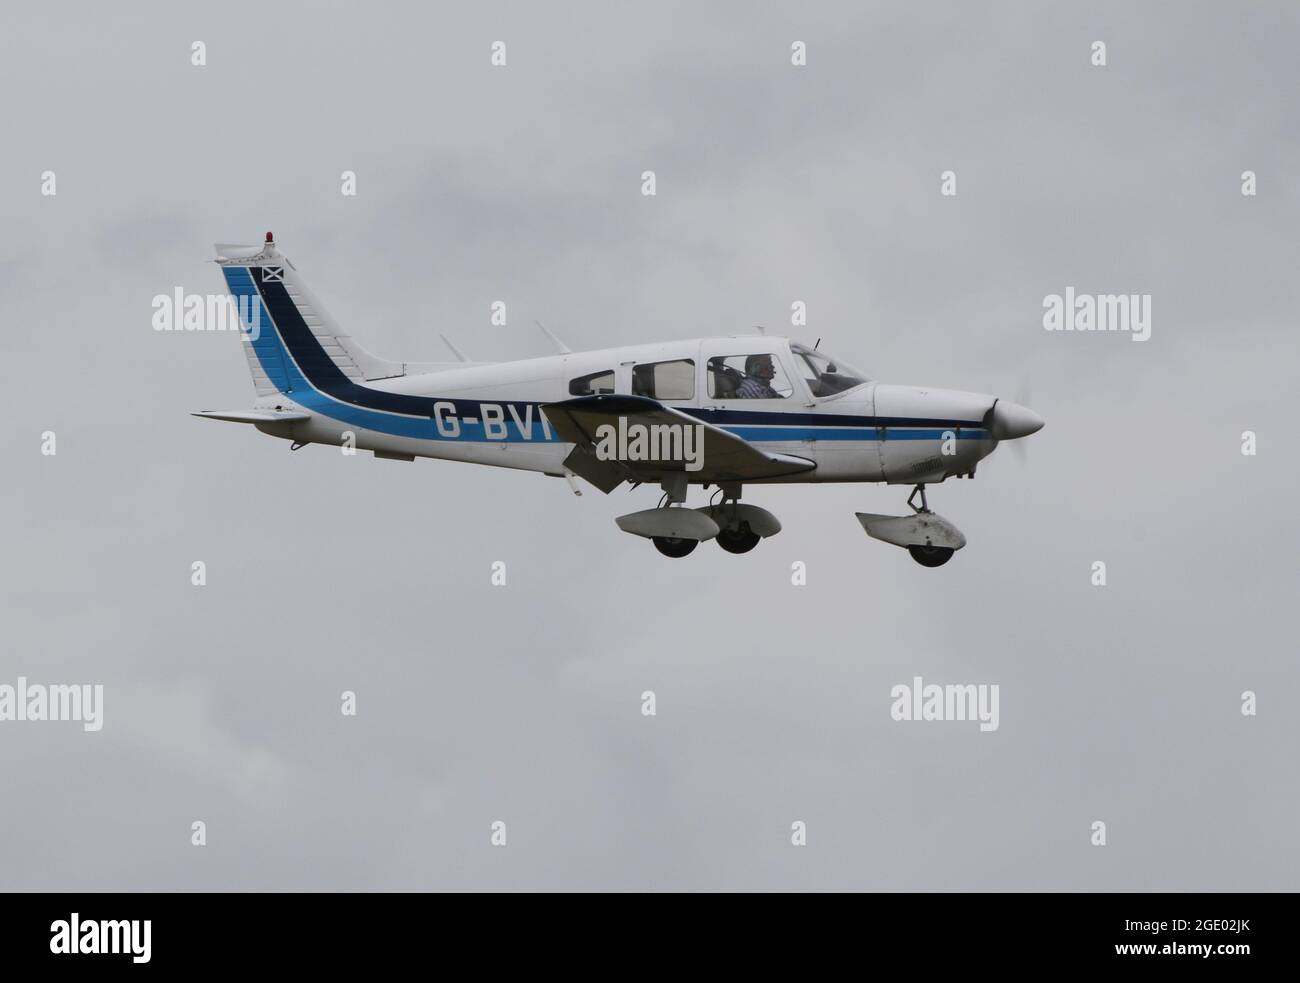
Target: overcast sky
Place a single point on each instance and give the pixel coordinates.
(522, 703)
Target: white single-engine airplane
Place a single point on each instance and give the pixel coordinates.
(723, 412)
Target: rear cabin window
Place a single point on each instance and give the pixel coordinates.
(665, 380)
(596, 384)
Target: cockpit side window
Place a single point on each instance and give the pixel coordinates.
(596, 384)
(758, 376)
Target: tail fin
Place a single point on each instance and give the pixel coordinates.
(245, 267)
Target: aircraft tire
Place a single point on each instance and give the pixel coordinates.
(738, 540)
(675, 548)
(931, 556)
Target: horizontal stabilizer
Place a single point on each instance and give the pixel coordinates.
(252, 416)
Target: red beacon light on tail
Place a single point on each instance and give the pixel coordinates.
(270, 237)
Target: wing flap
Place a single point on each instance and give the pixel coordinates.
(605, 475)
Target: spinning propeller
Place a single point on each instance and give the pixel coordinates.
(1006, 420)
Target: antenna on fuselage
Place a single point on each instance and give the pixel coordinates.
(460, 356)
(564, 349)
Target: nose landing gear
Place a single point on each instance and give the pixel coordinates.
(927, 555)
(927, 536)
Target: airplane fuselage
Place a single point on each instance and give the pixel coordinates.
(491, 414)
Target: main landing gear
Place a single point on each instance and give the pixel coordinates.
(676, 530)
(927, 536)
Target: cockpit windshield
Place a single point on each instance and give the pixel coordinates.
(825, 374)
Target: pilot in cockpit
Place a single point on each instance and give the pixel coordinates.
(759, 373)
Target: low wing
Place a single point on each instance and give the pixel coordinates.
(724, 457)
